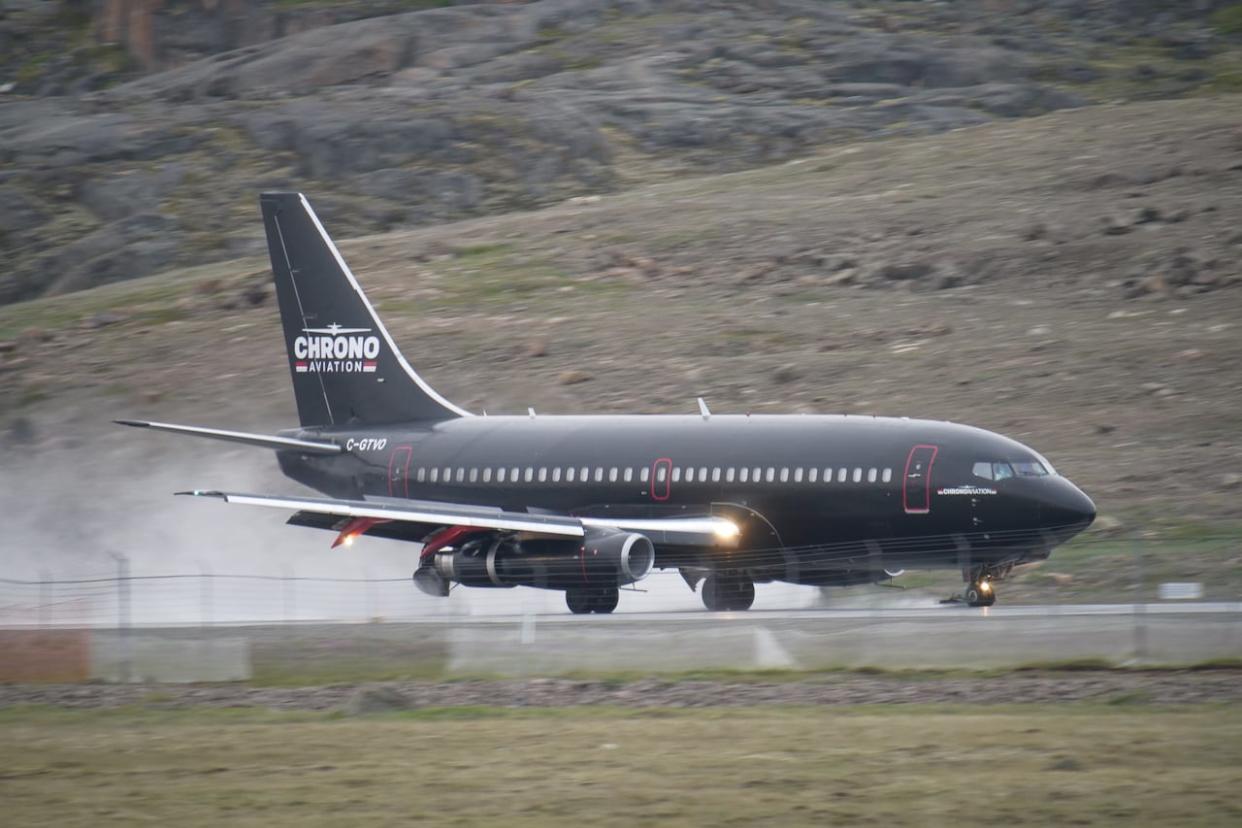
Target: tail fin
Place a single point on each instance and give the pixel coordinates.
(346, 368)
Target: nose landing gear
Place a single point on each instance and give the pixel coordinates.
(980, 593)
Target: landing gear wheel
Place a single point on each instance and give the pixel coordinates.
(980, 594)
(732, 592)
(711, 593)
(579, 601)
(605, 601)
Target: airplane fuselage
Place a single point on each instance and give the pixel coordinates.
(819, 499)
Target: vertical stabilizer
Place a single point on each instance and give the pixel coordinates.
(345, 366)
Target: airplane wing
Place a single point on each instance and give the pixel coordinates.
(414, 519)
(245, 438)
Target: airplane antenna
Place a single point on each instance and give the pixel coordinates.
(704, 410)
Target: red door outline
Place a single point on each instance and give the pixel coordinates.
(399, 471)
(657, 494)
(920, 455)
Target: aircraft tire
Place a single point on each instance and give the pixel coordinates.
(605, 601)
(579, 601)
(743, 596)
(731, 592)
(977, 597)
(711, 593)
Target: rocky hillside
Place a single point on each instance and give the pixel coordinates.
(121, 159)
(1072, 280)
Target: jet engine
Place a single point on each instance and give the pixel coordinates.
(601, 559)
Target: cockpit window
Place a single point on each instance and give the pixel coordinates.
(1030, 468)
(1000, 470)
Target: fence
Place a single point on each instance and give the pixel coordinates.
(1096, 570)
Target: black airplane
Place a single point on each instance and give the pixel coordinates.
(588, 504)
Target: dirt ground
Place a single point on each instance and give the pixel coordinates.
(829, 689)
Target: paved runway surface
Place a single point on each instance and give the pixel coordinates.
(937, 612)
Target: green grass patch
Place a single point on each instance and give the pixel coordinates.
(903, 765)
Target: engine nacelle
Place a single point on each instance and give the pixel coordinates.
(600, 559)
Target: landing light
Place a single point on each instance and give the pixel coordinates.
(726, 529)
(985, 587)
(349, 540)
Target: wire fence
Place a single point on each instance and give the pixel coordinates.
(1093, 570)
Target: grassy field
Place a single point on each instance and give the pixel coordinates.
(914, 765)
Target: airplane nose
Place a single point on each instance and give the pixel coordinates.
(1070, 507)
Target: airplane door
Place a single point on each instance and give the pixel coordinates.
(916, 485)
(399, 471)
(661, 479)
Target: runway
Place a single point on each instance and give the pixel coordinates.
(880, 613)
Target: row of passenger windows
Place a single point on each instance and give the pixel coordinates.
(687, 474)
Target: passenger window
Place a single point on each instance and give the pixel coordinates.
(745, 474)
(461, 474)
(676, 474)
(887, 476)
(730, 474)
(612, 475)
(645, 474)
(716, 474)
(515, 474)
(569, 474)
(771, 474)
(784, 474)
(474, 475)
(629, 474)
(857, 475)
(556, 474)
(447, 475)
(702, 474)
(543, 474)
(871, 474)
(584, 474)
(500, 475)
(798, 475)
(756, 474)
(599, 474)
(422, 474)
(661, 473)
(435, 475)
(842, 473)
(689, 474)
(813, 475)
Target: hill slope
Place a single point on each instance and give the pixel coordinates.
(1071, 280)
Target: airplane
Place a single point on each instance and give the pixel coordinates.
(590, 504)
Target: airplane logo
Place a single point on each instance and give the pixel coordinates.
(336, 330)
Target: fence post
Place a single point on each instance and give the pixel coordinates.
(46, 587)
(287, 598)
(1140, 608)
(206, 596)
(370, 595)
(123, 614)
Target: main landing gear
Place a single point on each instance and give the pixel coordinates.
(728, 591)
(582, 600)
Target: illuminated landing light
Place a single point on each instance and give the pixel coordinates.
(985, 586)
(348, 540)
(726, 529)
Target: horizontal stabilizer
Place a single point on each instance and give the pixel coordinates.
(260, 440)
